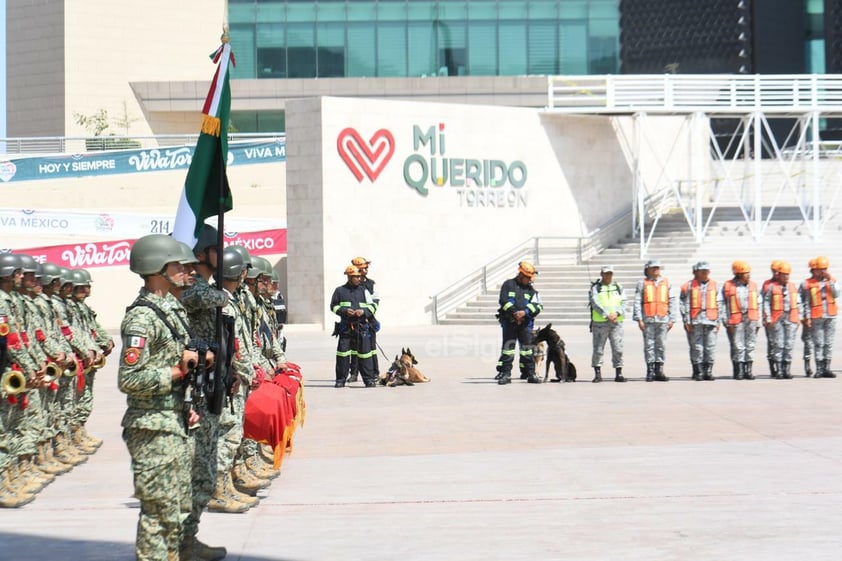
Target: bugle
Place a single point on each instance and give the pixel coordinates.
(13, 382)
(53, 372)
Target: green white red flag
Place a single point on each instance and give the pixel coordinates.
(206, 191)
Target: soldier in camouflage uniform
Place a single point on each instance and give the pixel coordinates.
(151, 372)
(18, 482)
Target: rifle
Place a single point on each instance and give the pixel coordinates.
(196, 380)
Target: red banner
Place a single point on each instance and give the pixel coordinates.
(116, 253)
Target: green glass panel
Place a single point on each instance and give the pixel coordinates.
(604, 9)
(270, 35)
(421, 51)
(362, 11)
(450, 34)
(391, 11)
(602, 55)
(423, 11)
(361, 58)
(242, 44)
(330, 34)
(453, 10)
(391, 49)
(301, 35)
(482, 49)
(512, 9)
(573, 42)
(542, 48)
(543, 9)
(331, 11)
(301, 11)
(573, 9)
(512, 41)
(275, 11)
(482, 10)
(815, 6)
(604, 28)
(240, 13)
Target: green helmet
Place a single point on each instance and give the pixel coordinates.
(151, 253)
(27, 263)
(9, 263)
(187, 254)
(65, 276)
(276, 277)
(232, 264)
(49, 273)
(244, 253)
(77, 277)
(87, 275)
(263, 265)
(207, 238)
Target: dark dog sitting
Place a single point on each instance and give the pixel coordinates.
(565, 371)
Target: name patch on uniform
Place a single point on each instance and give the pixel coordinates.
(131, 356)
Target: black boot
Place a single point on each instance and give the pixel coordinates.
(532, 379)
(828, 373)
(697, 374)
(785, 373)
(504, 378)
(354, 377)
(747, 370)
(819, 369)
(707, 371)
(597, 374)
(808, 370)
(738, 371)
(659, 373)
(774, 369)
(339, 384)
(618, 374)
(650, 371)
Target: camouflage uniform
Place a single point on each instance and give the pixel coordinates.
(98, 338)
(200, 301)
(33, 419)
(81, 346)
(153, 426)
(54, 343)
(258, 352)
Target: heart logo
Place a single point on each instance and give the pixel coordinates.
(7, 170)
(363, 157)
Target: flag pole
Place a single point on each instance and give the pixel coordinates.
(220, 375)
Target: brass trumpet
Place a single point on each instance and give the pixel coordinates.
(73, 369)
(53, 372)
(13, 382)
(99, 364)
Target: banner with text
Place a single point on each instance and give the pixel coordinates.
(116, 253)
(132, 161)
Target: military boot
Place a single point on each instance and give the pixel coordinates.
(808, 369)
(707, 371)
(747, 373)
(80, 443)
(774, 369)
(650, 371)
(222, 502)
(738, 370)
(66, 452)
(50, 446)
(697, 372)
(232, 491)
(597, 374)
(618, 374)
(827, 373)
(90, 440)
(819, 369)
(193, 549)
(260, 468)
(659, 373)
(47, 463)
(12, 494)
(28, 480)
(247, 481)
(33, 467)
(785, 371)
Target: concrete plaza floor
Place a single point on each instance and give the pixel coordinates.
(463, 469)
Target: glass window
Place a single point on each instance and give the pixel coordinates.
(241, 13)
(512, 53)
(301, 50)
(301, 11)
(362, 11)
(572, 48)
(453, 10)
(575, 10)
(242, 44)
(331, 11)
(512, 9)
(258, 121)
(452, 54)
(421, 49)
(482, 49)
(391, 49)
(543, 9)
(330, 54)
(271, 35)
(361, 55)
(420, 11)
(542, 48)
(482, 10)
(603, 8)
(391, 11)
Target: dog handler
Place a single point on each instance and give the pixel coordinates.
(607, 305)
(519, 305)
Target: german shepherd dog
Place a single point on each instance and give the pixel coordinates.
(565, 371)
(403, 371)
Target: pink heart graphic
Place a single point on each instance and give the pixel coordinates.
(365, 157)
(7, 170)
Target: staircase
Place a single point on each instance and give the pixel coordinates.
(564, 287)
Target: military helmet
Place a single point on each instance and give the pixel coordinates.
(264, 265)
(49, 273)
(187, 256)
(9, 263)
(244, 253)
(151, 253)
(207, 238)
(65, 276)
(232, 264)
(86, 274)
(39, 270)
(256, 268)
(27, 263)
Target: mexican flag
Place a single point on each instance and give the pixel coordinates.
(206, 192)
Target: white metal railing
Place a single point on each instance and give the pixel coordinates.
(75, 144)
(709, 93)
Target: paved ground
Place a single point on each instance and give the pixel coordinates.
(462, 469)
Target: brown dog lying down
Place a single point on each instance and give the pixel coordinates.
(403, 372)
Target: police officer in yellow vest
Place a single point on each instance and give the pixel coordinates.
(781, 316)
(607, 315)
(699, 303)
(741, 316)
(819, 309)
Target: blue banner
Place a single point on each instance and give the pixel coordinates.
(132, 161)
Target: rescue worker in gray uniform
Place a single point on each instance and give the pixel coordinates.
(700, 303)
(607, 302)
(655, 311)
(781, 316)
(741, 317)
(819, 309)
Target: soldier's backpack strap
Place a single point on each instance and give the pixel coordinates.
(143, 303)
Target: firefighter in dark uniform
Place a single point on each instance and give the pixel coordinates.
(356, 318)
(372, 298)
(519, 305)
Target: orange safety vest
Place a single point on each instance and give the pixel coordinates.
(777, 304)
(816, 304)
(735, 315)
(711, 307)
(655, 298)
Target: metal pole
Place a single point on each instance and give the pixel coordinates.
(758, 153)
(817, 208)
